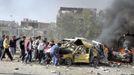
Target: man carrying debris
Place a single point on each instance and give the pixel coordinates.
(55, 53)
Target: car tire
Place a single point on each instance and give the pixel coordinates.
(68, 61)
(96, 62)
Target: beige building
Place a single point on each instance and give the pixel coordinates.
(8, 27)
(35, 28)
(80, 22)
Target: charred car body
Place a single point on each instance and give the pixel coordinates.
(80, 51)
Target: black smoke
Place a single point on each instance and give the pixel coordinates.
(119, 19)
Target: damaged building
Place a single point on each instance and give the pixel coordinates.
(80, 22)
(8, 27)
(35, 28)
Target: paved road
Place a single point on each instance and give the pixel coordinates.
(17, 68)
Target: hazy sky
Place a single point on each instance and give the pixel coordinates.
(43, 10)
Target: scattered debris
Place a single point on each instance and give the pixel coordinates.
(67, 69)
(101, 68)
(92, 71)
(59, 73)
(106, 70)
(16, 69)
(98, 74)
(18, 60)
(124, 74)
(46, 67)
(117, 70)
(53, 71)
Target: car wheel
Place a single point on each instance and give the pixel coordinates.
(68, 61)
(96, 62)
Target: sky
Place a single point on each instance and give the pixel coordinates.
(43, 10)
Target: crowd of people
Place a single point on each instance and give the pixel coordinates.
(31, 49)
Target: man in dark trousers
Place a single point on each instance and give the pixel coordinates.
(22, 48)
(1, 45)
(2, 48)
(14, 43)
(6, 45)
(28, 50)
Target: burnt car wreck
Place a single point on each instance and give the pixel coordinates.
(85, 51)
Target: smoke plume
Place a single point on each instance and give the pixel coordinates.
(119, 19)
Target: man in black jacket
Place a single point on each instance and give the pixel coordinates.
(2, 48)
(22, 48)
(13, 43)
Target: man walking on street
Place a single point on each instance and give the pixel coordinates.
(6, 45)
(28, 50)
(2, 48)
(13, 41)
(22, 48)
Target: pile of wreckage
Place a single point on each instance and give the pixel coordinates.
(124, 52)
(78, 50)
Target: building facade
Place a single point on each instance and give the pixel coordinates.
(8, 28)
(35, 28)
(80, 22)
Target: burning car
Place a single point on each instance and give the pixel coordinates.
(124, 53)
(121, 55)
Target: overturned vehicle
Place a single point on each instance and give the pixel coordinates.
(80, 51)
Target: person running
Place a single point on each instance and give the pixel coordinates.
(6, 45)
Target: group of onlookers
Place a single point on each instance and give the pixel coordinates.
(31, 49)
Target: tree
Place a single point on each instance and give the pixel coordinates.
(81, 24)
